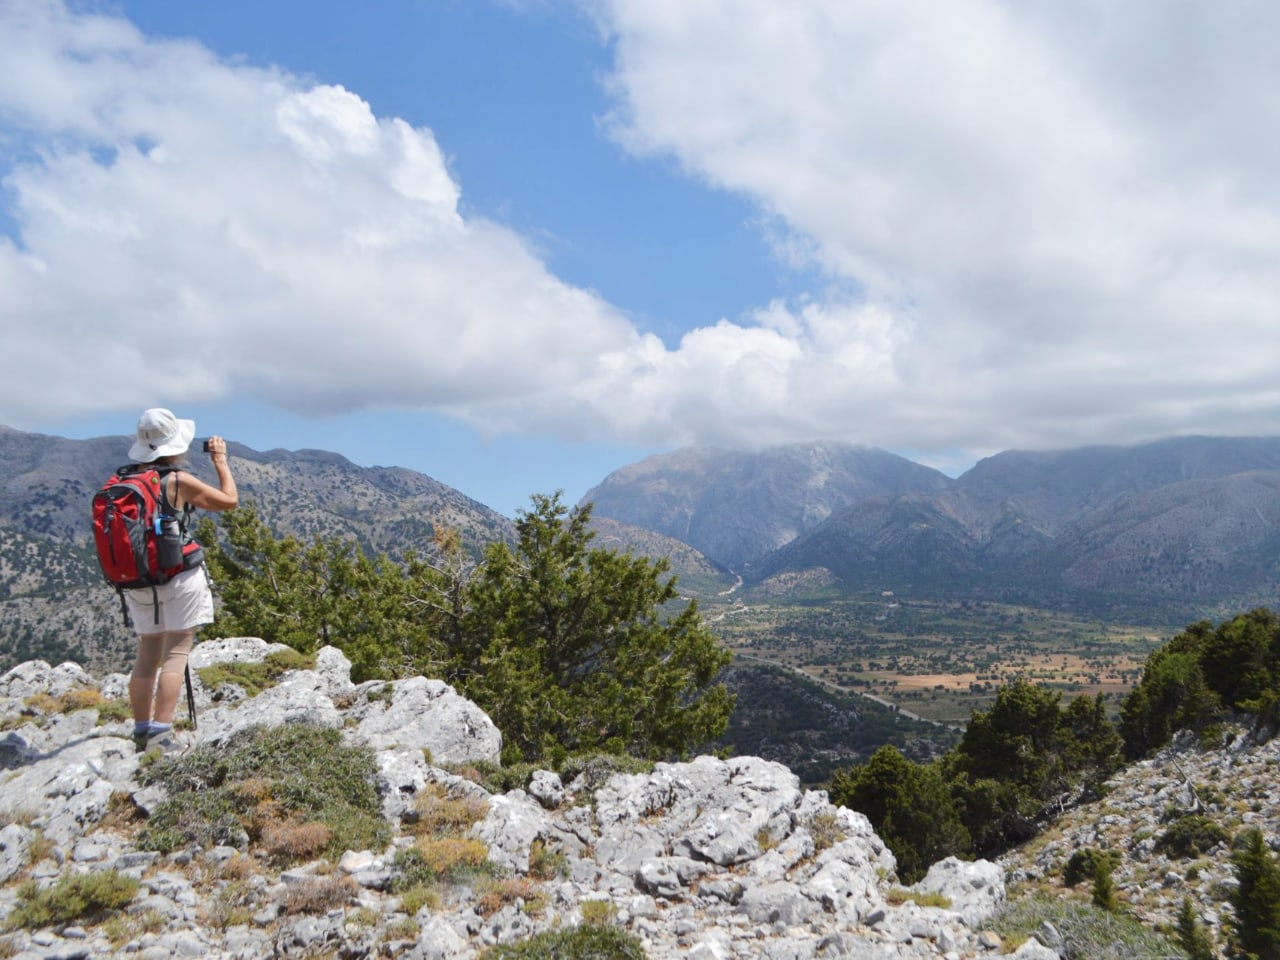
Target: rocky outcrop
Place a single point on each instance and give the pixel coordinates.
(707, 859)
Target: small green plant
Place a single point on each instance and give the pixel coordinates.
(1192, 936)
(598, 911)
(899, 895)
(434, 860)
(1104, 895)
(1093, 933)
(417, 896)
(263, 778)
(122, 927)
(588, 942)
(255, 676)
(77, 897)
(825, 829)
(437, 814)
(546, 864)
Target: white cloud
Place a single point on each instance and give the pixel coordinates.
(1042, 224)
(1069, 210)
(197, 229)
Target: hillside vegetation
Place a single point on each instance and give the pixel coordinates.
(1047, 786)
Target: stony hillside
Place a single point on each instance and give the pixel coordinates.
(696, 575)
(212, 849)
(1167, 823)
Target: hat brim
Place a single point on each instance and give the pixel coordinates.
(180, 442)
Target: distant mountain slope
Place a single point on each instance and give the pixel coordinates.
(735, 506)
(46, 483)
(51, 596)
(694, 573)
(1187, 525)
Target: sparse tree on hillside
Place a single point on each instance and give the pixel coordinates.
(1172, 694)
(1256, 899)
(1192, 937)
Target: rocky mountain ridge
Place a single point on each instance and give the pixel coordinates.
(705, 859)
(1177, 529)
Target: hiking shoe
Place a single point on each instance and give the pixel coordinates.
(165, 743)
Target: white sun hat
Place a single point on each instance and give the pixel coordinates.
(161, 434)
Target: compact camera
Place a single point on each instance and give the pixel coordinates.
(206, 446)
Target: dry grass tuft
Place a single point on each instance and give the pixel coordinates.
(318, 895)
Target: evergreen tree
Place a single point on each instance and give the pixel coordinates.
(911, 805)
(308, 595)
(1256, 899)
(568, 648)
(1104, 889)
(580, 648)
(1192, 937)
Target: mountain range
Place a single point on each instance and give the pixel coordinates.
(1159, 533)
(1178, 528)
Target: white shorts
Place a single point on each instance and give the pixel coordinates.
(185, 602)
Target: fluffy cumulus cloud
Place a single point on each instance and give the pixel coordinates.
(1037, 224)
(190, 228)
(1061, 221)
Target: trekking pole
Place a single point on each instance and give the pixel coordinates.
(191, 699)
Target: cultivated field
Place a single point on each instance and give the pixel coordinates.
(939, 660)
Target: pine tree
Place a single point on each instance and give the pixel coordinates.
(1256, 898)
(1104, 888)
(1192, 937)
(581, 648)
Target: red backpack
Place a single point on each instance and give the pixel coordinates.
(140, 539)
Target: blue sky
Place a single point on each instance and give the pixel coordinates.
(516, 245)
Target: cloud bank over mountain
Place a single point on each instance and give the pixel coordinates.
(1036, 226)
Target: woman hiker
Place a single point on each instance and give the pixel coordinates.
(166, 616)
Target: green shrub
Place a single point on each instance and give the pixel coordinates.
(255, 676)
(588, 942)
(435, 860)
(1191, 836)
(1084, 865)
(1104, 895)
(598, 912)
(264, 777)
(77, 897)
